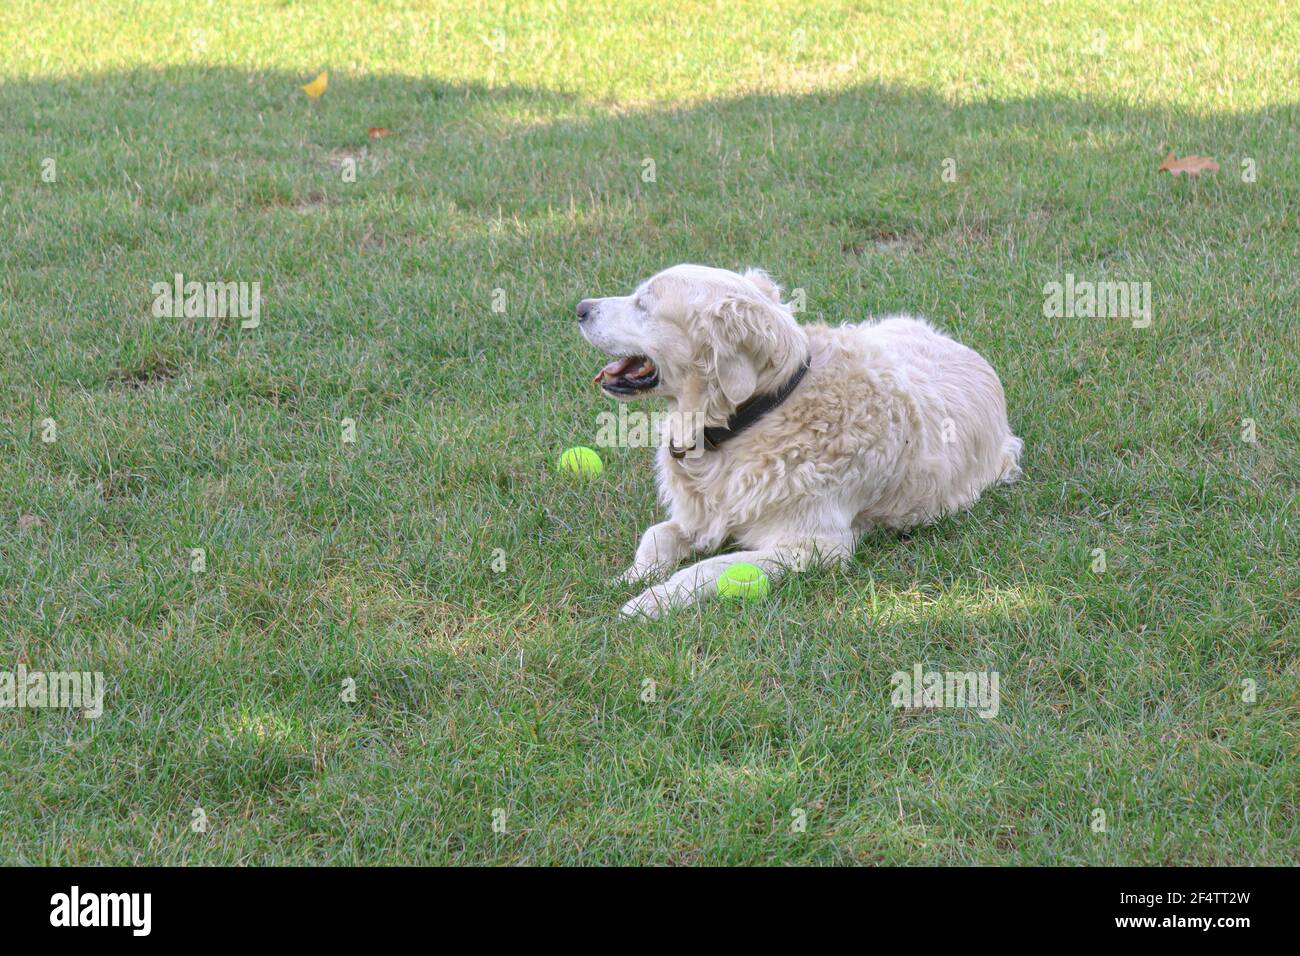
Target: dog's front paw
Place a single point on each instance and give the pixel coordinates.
(642, 572)
(651, 603)
(632, 575)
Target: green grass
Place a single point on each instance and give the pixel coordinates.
(806, 139)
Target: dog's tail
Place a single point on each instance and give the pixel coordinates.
(1010, 469)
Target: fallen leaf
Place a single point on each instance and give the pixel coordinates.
(1191, 165)
(316, 87)
(379, 132)
(29, 521)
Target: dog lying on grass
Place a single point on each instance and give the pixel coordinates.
(811, 435)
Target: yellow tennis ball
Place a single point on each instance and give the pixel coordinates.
(581, 460)
(744, 582)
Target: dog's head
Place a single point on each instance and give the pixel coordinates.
(706, 339)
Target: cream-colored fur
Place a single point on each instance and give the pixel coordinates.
(894, 425)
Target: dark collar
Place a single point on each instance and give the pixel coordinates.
(747, 413)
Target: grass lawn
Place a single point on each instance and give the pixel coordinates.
(431, 300)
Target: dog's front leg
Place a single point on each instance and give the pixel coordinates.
(661, 549)
(700, 580)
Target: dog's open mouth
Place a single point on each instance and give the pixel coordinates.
(627, 376)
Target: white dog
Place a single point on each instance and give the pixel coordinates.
(814, 434)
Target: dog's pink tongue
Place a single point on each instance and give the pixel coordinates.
(614, 369)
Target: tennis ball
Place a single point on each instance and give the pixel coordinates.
(581, 460)
(744, 582)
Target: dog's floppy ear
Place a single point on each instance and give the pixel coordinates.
(732, 324)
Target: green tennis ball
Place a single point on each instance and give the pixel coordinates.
(744, 582)
(582, 461)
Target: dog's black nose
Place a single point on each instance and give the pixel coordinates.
(584, 309)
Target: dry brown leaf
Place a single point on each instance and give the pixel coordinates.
(316, 88)
(1191, 165)
(379, 132)
(29, 521)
